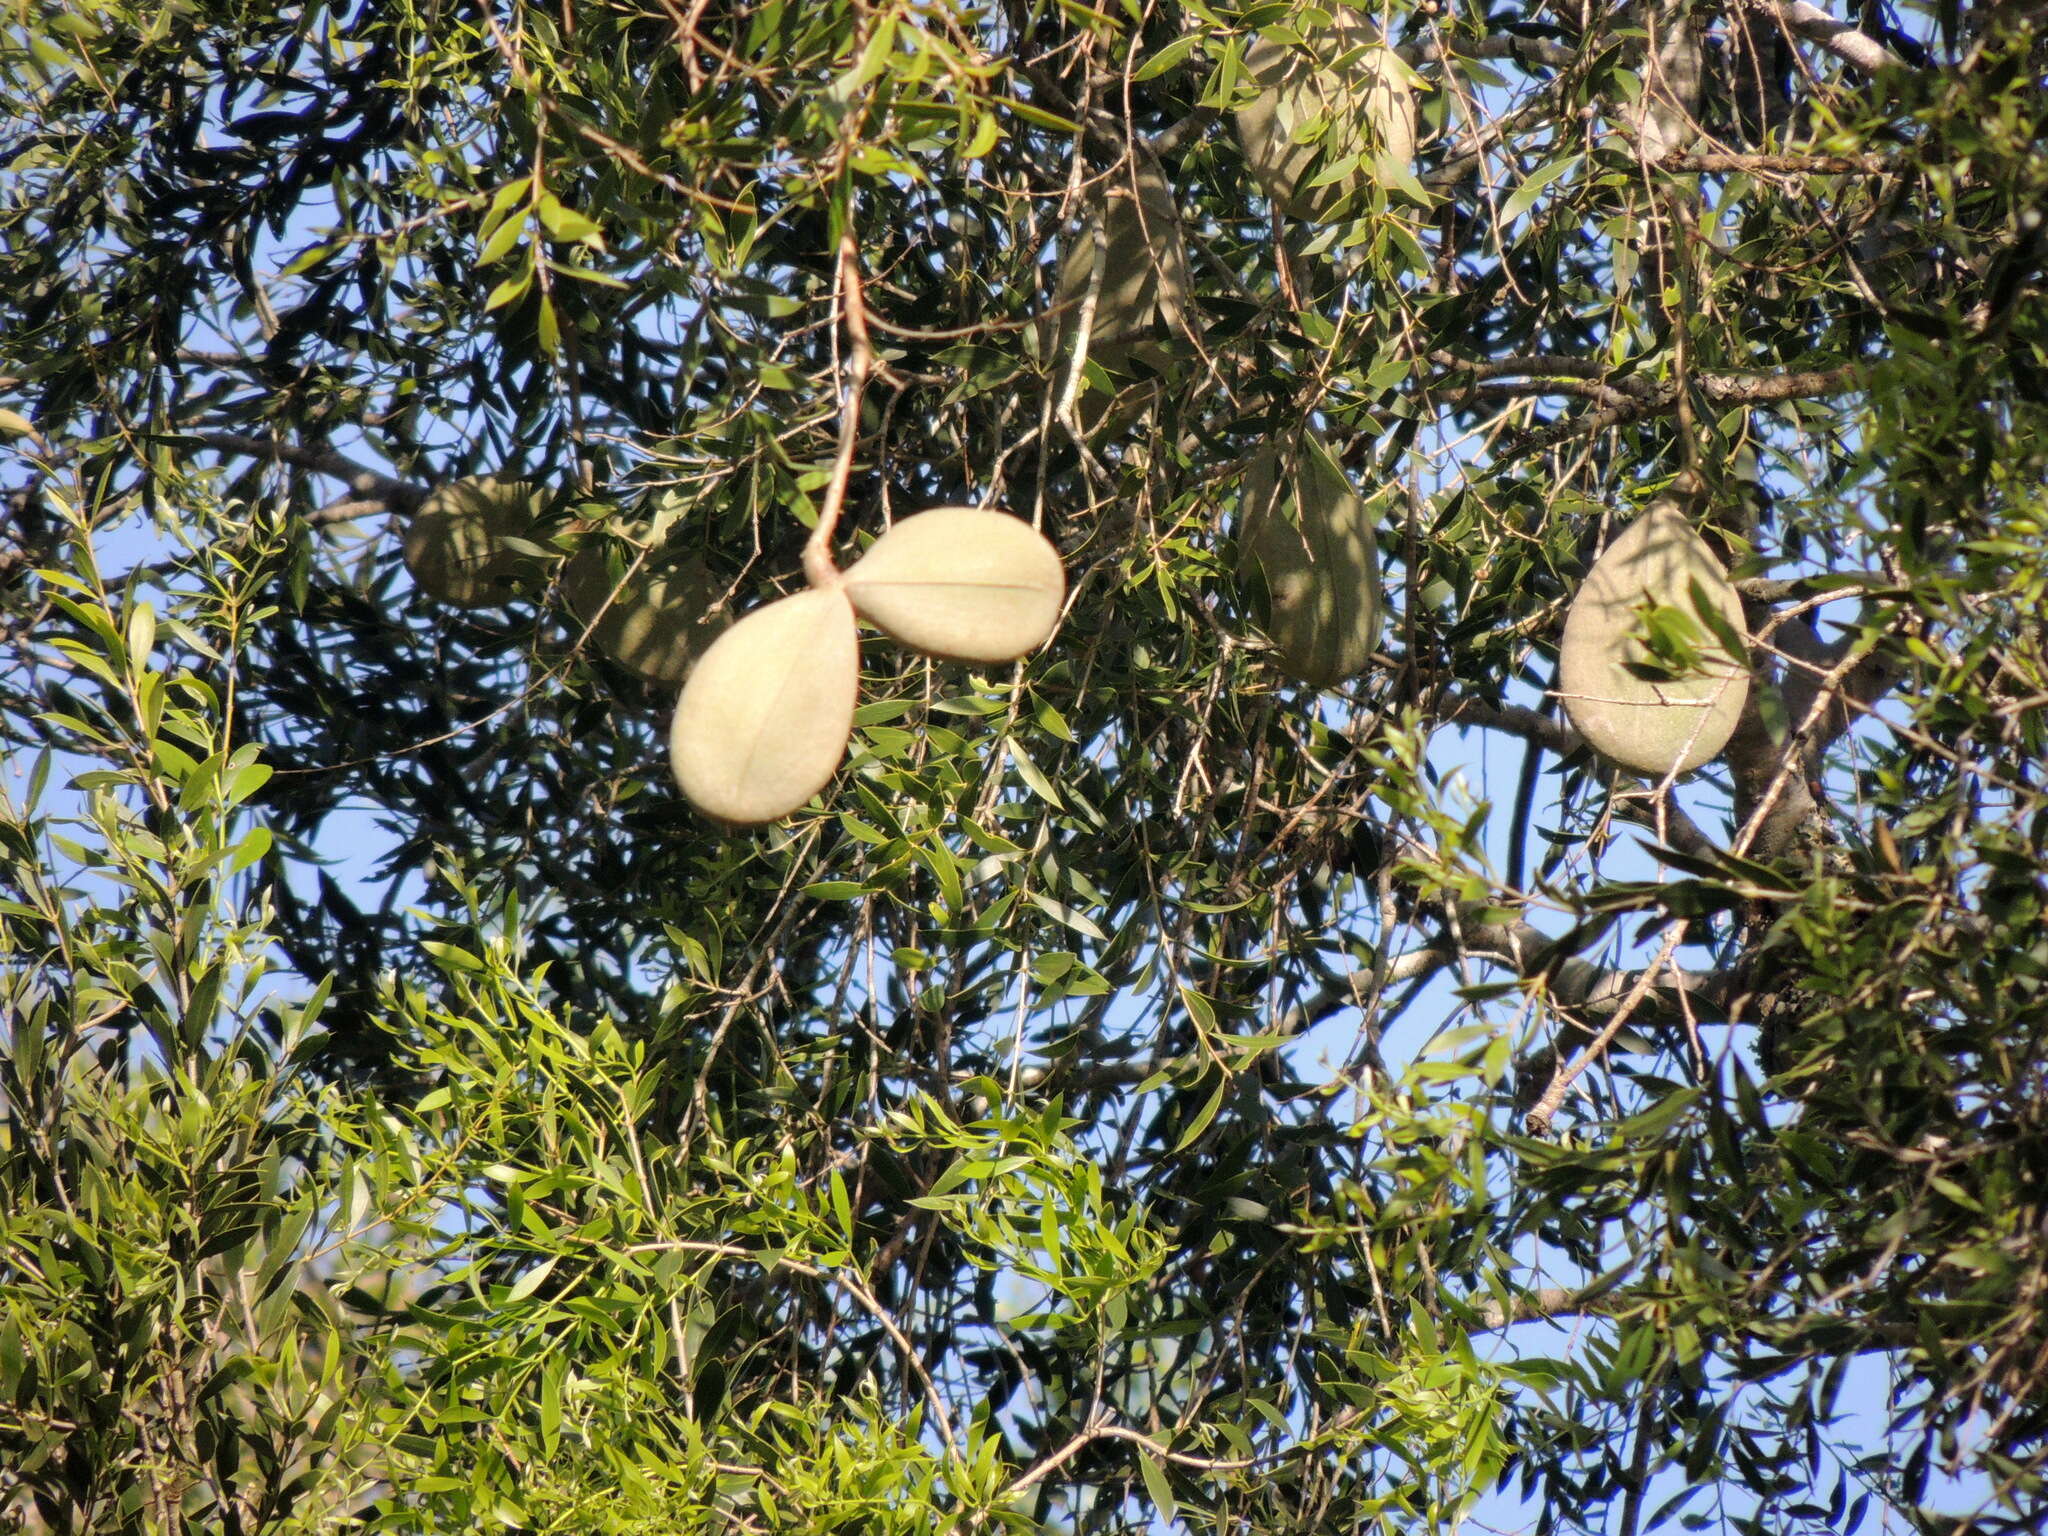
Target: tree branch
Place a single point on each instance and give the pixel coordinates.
(1839, 38)
(819, 567)
(1756, 388)
(1597, 991)
(1652, 397)
(1172, 140)
(1546, 375)
(1824, 689)
(367, 484)
(1553, 736)
(1772, 589)
(1783, 165)
(1523, 50)
(1552, 1301)
(1566, 1073)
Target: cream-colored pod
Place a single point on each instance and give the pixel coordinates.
(764, 718)
(1651, 726)
(1307, 539)
(1342, 95)
(963, 583)
(455, 544)
(655, 620)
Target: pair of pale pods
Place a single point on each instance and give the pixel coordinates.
(766, 708)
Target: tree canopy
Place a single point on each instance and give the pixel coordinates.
(1275, 1058)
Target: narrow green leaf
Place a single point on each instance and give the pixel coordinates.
(1208, 1112)
(1524, 197)
(1154, 1473)
(1169, 56)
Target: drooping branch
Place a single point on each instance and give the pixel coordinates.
(365, 484)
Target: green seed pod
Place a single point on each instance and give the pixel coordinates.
(764, 719)
(455, 544)
(963, 583)
(1342, 96)
(1306, 546)
(1651, 726)
(1145, 275)
(653, 615)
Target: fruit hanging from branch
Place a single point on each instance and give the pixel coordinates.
(649, 609)
(1139, 302)
(1307, 550)
(1338, 101)
(1649, 717)
(457, 548)
(765, 716)
(961, 583)
(1145, 268)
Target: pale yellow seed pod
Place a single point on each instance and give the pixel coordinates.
(963, 583)
(1306, 539)
(763, 720)
(455, 544)
(1651, 726)
(1340, 96)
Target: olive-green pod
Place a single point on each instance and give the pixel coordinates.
(1145, 273)
(1307, 550)
(1655, 726)
(651, 611)
(1340, 95)
(455, 544)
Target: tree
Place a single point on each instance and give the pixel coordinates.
(1204, 1072)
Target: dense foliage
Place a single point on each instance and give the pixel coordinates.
(1141, 1086)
